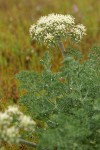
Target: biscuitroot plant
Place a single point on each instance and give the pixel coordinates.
(14, 125)
(65, 104)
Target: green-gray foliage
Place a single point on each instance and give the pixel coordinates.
(65, 103)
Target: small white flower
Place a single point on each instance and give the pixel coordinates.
(60, 27)
(26, 121)
(82, 28)
(3, 117)
(48, 38)
(13, 110)
(32, 28)
(38, 30)
(78, 31)
(12, 133)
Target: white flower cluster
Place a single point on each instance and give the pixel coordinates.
(56, 27)
(11, 123)
(78, 31)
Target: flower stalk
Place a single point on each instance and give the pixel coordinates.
(61, 46)
(31, 144)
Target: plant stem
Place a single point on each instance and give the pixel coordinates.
(27, 143)
(61, 46)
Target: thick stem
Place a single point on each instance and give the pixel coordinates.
(61, 46)
(27, 143)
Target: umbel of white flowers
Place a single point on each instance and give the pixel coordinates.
(55, 28)
(11, 123)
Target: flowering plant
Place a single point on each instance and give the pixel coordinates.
(52, 29)
(65, 103)
(12, 121)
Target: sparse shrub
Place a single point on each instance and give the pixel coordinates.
(65, 103)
